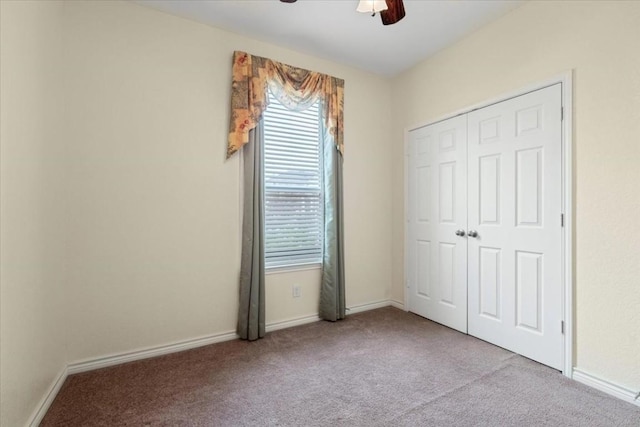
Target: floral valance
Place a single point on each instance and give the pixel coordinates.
(295, 88)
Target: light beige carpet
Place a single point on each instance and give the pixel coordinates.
(379, 368)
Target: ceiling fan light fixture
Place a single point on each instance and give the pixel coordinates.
(394, 13)
(371, 6)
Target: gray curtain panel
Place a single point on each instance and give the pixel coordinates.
(251, 325)
(332, 295)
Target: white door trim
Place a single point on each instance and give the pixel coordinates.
(566, 79)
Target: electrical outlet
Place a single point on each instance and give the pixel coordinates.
(297, 291)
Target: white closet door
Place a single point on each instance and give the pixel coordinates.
(515, 270)
(437, 194)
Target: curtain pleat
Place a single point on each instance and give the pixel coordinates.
(332, 289)
(251, 323)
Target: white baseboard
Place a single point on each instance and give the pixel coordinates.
(47, 400)
(289, 323)
(274, 326)
(610, 388)
(368, 306)
(146, 353)
(398, 304)
(117, 359)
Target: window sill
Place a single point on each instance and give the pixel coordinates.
(292, 268)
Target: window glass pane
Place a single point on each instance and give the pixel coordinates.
(293, 185)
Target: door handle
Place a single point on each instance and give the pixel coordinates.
(473, 233)
(460, 233)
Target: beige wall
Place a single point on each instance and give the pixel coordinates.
(120, 215)
(154, 244)
(32, 202)
(600, 42)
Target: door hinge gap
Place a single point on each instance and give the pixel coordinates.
(562, 327)
(561, 113)
(561, 220)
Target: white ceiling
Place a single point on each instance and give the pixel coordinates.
(332, 29)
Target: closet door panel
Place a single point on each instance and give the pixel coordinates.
(437, 257)
(514, 264)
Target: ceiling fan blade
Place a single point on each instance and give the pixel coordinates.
(394, 12)
(288, 1)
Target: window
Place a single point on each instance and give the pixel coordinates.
(293, 185)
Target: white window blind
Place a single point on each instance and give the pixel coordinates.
(293, 185)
